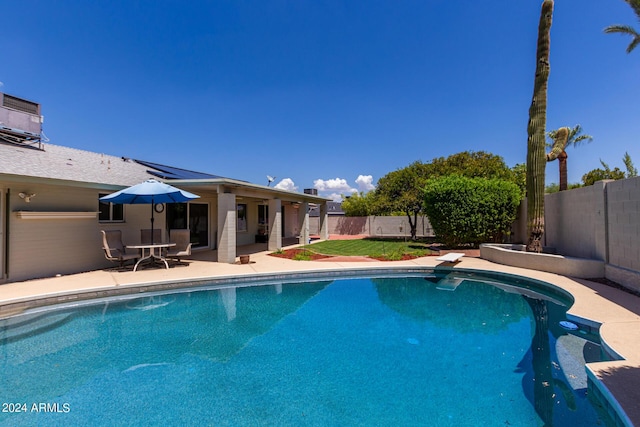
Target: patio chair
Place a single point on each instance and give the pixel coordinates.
(182, 239)
(145, 236)
(114, 250)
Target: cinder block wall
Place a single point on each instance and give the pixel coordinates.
(624, 223)
(378, 226)
(598, 222)
(575, 221)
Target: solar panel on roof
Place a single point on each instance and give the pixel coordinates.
(170, 172)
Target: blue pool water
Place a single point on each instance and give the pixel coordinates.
(432, 351)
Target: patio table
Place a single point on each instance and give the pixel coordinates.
(153, 256)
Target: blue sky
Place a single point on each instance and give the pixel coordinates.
(326, 94)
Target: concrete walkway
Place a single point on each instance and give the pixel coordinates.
(596, 304)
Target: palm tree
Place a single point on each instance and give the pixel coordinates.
(574, 139)
(626, 29)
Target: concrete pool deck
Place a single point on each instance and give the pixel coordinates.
(615, 312)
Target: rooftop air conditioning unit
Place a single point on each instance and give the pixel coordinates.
(20, 120)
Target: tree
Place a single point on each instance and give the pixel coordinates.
(536, 158)
(628, 163)
(599, 174)
(358, 204)
(402, 190)
(519, 172)
(574, 139)
(627, 29)
(472, 164)
(555, 187)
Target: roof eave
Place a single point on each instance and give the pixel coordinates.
(28, 179)
(244, 184)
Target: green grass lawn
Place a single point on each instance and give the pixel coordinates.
(371, 247)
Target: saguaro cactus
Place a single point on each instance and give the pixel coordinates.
(560, 138)
(536, 159)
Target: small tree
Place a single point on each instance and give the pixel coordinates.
(402, 191)
(627, 29)
(607, 173)
(471, 210)
(599, 174)
(628, 163)
(358, 204)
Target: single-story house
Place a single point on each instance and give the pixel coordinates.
(50, 215)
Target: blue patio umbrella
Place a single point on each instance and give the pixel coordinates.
(150, 192)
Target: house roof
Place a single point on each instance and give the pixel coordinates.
(87, 168)
(70, 164)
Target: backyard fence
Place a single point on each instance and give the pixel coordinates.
(375, 226)
(601, 222)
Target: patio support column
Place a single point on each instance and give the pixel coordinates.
(324, 222)
(303, 222)
(275, 225)
(227, 212)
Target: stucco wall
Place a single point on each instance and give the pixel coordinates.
(45, 247)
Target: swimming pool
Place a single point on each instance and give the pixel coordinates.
(430, 349)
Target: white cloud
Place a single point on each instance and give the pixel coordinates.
(336, 197)
(286, 184)
(337, 184)
(1, 84)
(336, 188)
(365, 183)
(333, 189)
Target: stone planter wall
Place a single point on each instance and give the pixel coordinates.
(516, 256)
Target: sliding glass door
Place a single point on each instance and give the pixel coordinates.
(194, 216)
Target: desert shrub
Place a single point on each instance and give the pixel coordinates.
(395, 255)
(471, 210)
(303, 255)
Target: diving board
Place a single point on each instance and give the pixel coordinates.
(451, 257)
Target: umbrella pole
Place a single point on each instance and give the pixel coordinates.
(152, 206)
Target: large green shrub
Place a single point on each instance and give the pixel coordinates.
(471, 210)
